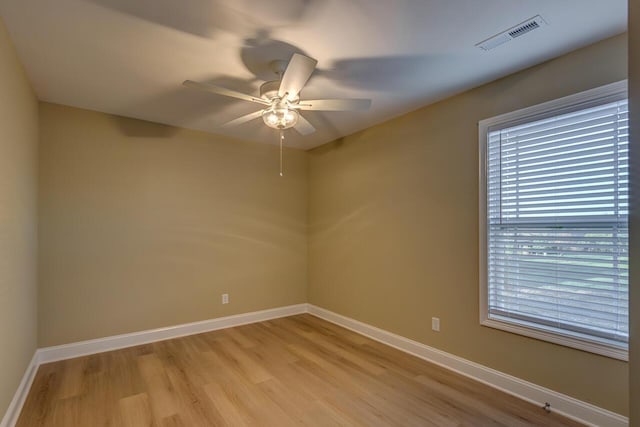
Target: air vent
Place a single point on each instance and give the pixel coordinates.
(524, 29)
(512, 33)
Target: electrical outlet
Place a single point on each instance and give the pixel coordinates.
(225, 298)
(435, 324)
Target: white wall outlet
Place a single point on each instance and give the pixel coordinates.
(435, 324)
(225, 298)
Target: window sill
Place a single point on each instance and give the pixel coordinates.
(557, 337)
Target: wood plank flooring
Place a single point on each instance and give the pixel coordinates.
(298, 370)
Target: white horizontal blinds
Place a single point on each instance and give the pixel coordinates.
(557, 200)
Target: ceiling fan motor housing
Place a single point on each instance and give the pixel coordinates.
(269, 90)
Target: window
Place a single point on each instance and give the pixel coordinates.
(553, 221)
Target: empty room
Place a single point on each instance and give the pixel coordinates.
(319, 212)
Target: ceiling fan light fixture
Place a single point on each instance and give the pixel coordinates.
(280, 99)
(280, 117)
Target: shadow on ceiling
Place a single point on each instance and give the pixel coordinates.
(204, 18)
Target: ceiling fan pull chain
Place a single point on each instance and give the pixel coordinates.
(281, 140)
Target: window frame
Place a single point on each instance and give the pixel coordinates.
(590, 98)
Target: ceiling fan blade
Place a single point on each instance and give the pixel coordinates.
(334, 104)
(224, 91)
(244, 119)
(296, 75)
(303, 126)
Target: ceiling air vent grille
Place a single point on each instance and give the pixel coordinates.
(524, 29)
(512, 33)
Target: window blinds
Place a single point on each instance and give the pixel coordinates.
(557, 226)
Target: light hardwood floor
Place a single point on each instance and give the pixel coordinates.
(298, 370)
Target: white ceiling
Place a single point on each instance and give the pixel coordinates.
(129, 57)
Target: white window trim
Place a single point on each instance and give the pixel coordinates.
(609, 93)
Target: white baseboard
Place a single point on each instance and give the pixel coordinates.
(83, 348)
(15, 407)
(562, 404)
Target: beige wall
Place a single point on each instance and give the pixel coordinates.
(18, 178)
(144, 226)
(634, 95)
(394, 227)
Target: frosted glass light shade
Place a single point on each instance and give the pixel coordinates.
(280, 118)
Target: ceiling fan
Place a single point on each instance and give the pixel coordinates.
(280, 99)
